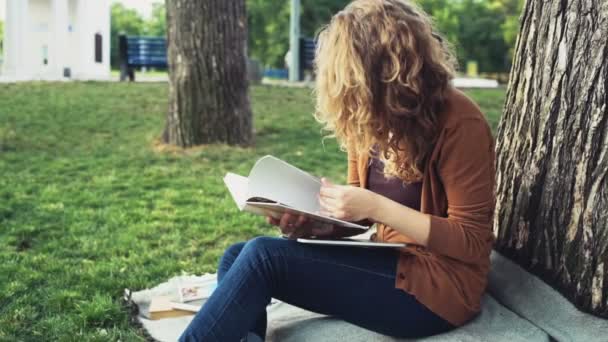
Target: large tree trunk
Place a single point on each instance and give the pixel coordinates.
(208, 93)
(552, 193)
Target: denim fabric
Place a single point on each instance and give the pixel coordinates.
(352, 283)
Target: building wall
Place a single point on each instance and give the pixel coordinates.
(43, 41)
(16, 25)
(93, 17)
(38, 44)
(73, 39)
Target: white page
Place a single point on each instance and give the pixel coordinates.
(237, 185)
(292, 189)
(276, 180)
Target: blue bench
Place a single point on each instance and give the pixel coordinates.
(308, 48)
(137, 51)
(151, 52)
(280, 74)
(307, 60)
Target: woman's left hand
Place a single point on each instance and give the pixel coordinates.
(349, 203)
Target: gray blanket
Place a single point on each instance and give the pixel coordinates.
(517, 307)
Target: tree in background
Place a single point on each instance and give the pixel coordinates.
(268, 22)
(208, 86)
(130, 22)
(446, 18)
(317, 13)
(157, 24)
(480, 36)
(269, 26)
(123, 20)
(480, 30)
(510, 27)
(552, 151)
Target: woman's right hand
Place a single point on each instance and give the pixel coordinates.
(299, 226)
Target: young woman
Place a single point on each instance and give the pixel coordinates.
(420, 166)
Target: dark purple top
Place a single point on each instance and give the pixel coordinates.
(393, 188)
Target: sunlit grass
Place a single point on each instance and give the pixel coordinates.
(88, 206)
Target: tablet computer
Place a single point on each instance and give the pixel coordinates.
(352, 242)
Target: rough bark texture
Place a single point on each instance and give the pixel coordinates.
(552, 193)
(208, 96)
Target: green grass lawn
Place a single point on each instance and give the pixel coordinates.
(88, 207)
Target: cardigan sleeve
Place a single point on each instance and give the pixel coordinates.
(466, 169)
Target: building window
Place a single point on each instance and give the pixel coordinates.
(98, 48)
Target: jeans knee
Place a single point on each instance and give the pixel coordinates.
(261, 251)
(230, 254)
(266, 259)
(260, 245)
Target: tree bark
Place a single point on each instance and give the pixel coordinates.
(552, 199)
(208, 92)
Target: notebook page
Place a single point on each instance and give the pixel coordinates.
(237, 185)
(276, 180)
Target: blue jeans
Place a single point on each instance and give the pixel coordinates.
(352, 283)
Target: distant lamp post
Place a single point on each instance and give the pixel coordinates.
(294, 42)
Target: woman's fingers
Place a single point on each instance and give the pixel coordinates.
(298, 233)
(322, 230)
(297, 226)
(285, 224)
(285, 220)
(326, 182)
(301, 220)
(333, 210)
(273, 221)
(329, 205)
(330, 192)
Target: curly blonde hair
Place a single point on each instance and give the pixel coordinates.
(382, 78)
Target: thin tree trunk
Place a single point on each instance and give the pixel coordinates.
(552, 193)
(208, 93)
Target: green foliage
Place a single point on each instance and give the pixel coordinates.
(269, 26)
(510, 27)
(480, 30)
(157, 24)
(123, 20)
(130, 22)
(268, 23)
(88, 207)
(317, 13)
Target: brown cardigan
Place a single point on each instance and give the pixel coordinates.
(449, 275)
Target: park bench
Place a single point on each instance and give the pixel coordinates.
(308, 47)
(307, 61)
(151, 52)
(138, 51)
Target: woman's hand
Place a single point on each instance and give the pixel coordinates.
(349, 203)
(298, 226)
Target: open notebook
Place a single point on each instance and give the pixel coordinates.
(275, 187)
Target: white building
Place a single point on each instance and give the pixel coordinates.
(56, 39)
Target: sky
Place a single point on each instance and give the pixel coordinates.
(142, 6)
